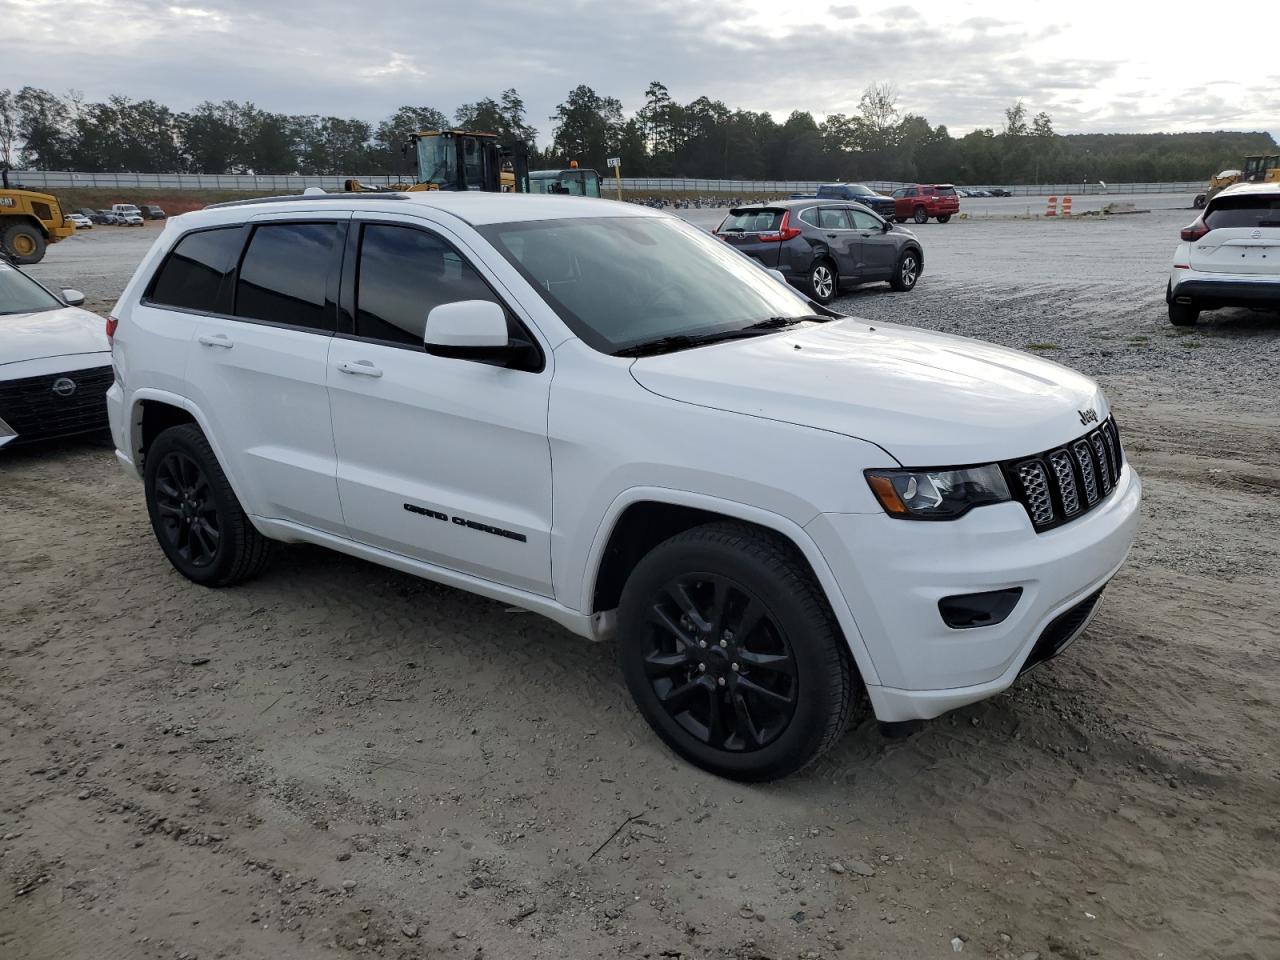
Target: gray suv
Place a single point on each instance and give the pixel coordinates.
(820, 246)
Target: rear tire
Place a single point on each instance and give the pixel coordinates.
(195, 515)
(23, 243)
(1183, 314)
(920, 215)
(732, 653)
(824, 282)
(944, 218)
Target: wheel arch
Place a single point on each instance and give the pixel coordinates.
(641, 518)
(153, 411)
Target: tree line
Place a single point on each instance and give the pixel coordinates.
(705, 138)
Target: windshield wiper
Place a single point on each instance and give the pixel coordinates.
(683, 341)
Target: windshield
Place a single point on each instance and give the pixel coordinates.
(621, 282)
(437, 161)
(861, 190)
(21, 294)
(572, 182)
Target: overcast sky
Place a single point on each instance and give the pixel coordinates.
(1093, 65)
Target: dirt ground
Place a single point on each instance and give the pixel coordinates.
(341, 760)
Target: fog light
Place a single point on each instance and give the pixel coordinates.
(966, 610)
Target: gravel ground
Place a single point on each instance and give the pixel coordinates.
(339, 760)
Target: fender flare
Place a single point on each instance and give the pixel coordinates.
(784, 526)
(176, 400)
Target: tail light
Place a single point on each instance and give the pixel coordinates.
(112, 323)
(785, 231)
(1196, 230)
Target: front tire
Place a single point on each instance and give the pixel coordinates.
(732, 653)
(906, 272)
(823, 282)
(195, 514)
(920, 215)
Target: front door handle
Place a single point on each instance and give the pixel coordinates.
(833, 235)
(216, 340)
(360, 368)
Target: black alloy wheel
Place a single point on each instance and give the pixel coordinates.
(196, 517)
(732, 653)
(719, 663)
(187, 513)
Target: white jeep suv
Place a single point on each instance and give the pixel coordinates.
(1230, 255)
(597, 412)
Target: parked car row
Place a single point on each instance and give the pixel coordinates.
(120, 215)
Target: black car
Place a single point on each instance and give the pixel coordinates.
(858, 193)
(820, 246)
(151, 212)
(1000, 192)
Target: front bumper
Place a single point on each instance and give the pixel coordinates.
(894, 572)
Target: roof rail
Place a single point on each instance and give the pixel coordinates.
(293, 198)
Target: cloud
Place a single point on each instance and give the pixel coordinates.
(312, 56)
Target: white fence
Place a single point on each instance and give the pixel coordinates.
(286, 184)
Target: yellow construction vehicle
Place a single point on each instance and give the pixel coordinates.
(460, 160)
(1264, 168)
(29, 222)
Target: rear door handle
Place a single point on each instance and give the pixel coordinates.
(360, 368)
(216, 340)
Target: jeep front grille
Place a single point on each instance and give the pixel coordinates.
(1064, 483)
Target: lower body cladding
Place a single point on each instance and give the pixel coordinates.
(894, 574)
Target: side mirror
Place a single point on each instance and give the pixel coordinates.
(72, 298)
(476, 330)
(886, 227)
(777, 275)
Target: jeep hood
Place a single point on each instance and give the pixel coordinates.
(50, 333)
(928, 399)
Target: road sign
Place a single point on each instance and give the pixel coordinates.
(614, 162)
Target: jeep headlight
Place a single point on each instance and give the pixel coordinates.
(943, 494)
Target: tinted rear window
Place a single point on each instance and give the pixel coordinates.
(285, 275)
(944, 191)
(752, 221)
(1246, 211)
(194, 275)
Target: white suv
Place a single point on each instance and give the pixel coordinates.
(597, 412)
(1230, 255)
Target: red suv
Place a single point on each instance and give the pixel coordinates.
(925, 200)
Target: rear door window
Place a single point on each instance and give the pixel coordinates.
(403, 272)
(752, 221)
(1243, 212)
(833, 218)
(196, 274)
(285, 275)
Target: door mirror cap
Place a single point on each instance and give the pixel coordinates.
(777, 275)
(72, 298)
(477, 330)
(466, 325)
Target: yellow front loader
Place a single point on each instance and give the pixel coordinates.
(29, 222)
